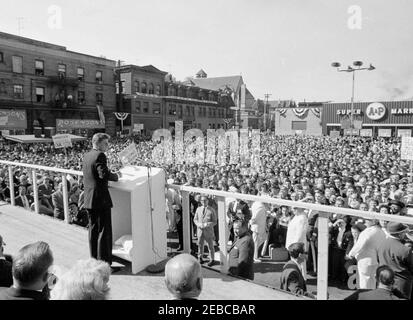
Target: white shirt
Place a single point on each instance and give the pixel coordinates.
(340, 236)
(367, 244)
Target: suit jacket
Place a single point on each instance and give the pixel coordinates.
(6, 277)
(377, 294)
(241, 257)
(400, 258)
(57, 201)
(292, 279)
(345, 241)
(209, 217)
(21, 294)
(239, 211)
(19, 201)
(96, 176)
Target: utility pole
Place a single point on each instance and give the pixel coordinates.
(267, 95)
(120, 88)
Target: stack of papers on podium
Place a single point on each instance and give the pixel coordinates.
(123, 247)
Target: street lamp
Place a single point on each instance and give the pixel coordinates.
(357, 67)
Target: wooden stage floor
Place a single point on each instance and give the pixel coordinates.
(69, 244)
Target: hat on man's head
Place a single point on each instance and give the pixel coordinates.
(396, 227)
(397, 203)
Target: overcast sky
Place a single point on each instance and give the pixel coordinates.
(281, 47)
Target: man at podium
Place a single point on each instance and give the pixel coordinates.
(98, 202)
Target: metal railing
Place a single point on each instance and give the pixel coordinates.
(323, 227)
(323, 218)
(34, 169)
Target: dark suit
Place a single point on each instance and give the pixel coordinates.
(237, 210)
(292, 279)
(98, 202)
(241, 257)
(6, 277)
(377, 294)
(400, 258)
(57, 200)
(21, 294)
(337, 253)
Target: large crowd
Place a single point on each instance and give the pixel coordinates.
(360, 173)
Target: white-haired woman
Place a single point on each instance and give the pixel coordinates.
(86, 280)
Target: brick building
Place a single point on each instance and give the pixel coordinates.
(49, 85)
(156, 100)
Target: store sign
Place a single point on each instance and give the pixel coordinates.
(404, 133)
(13, 119)
(375, 111)
(366, 132)
(384, 133)
(397, 111)
(64, 124)
(406, 151)
(344, 112)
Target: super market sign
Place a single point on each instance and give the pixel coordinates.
(376, 111)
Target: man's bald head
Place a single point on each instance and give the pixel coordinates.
(183, 276)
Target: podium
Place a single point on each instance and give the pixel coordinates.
(132, 217)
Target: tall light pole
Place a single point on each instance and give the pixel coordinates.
(357, 65)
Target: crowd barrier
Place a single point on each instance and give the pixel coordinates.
(220, 197)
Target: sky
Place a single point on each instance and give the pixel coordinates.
(281, 47)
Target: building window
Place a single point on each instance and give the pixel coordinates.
(187, 111)
(151, 89)
(61, 70)
(138, 107)
(3, 89)
(136, 86)
(122, 82)
(299, 125)
(40, 94)
(204, 111)
(80, 74)
(180, 110)
(143, 89)
(39, 67)
(158, 90)
(99, 77)
(99, 99)
(156, 108)
(18, 91)
(17, 63)
(146, 107)
(199, 111)
(81, 99)
(172, 109)
(1, 57)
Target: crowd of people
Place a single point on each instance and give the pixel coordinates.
(363, 173)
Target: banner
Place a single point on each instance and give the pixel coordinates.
(334, 134)
(101, 114)
(384, 133)
(357, 124)
(404, 132)
(406, 151)
(13, 119)
(348, 132)
(137, 127)
(62, 141)
(366, 132)
(129, 155)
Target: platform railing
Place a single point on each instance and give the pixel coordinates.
(34, 170)
(221, 196)
(323, 227)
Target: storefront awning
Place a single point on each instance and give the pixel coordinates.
(30, 138)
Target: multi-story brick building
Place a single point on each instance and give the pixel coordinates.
(156, 100)
(51, 85)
